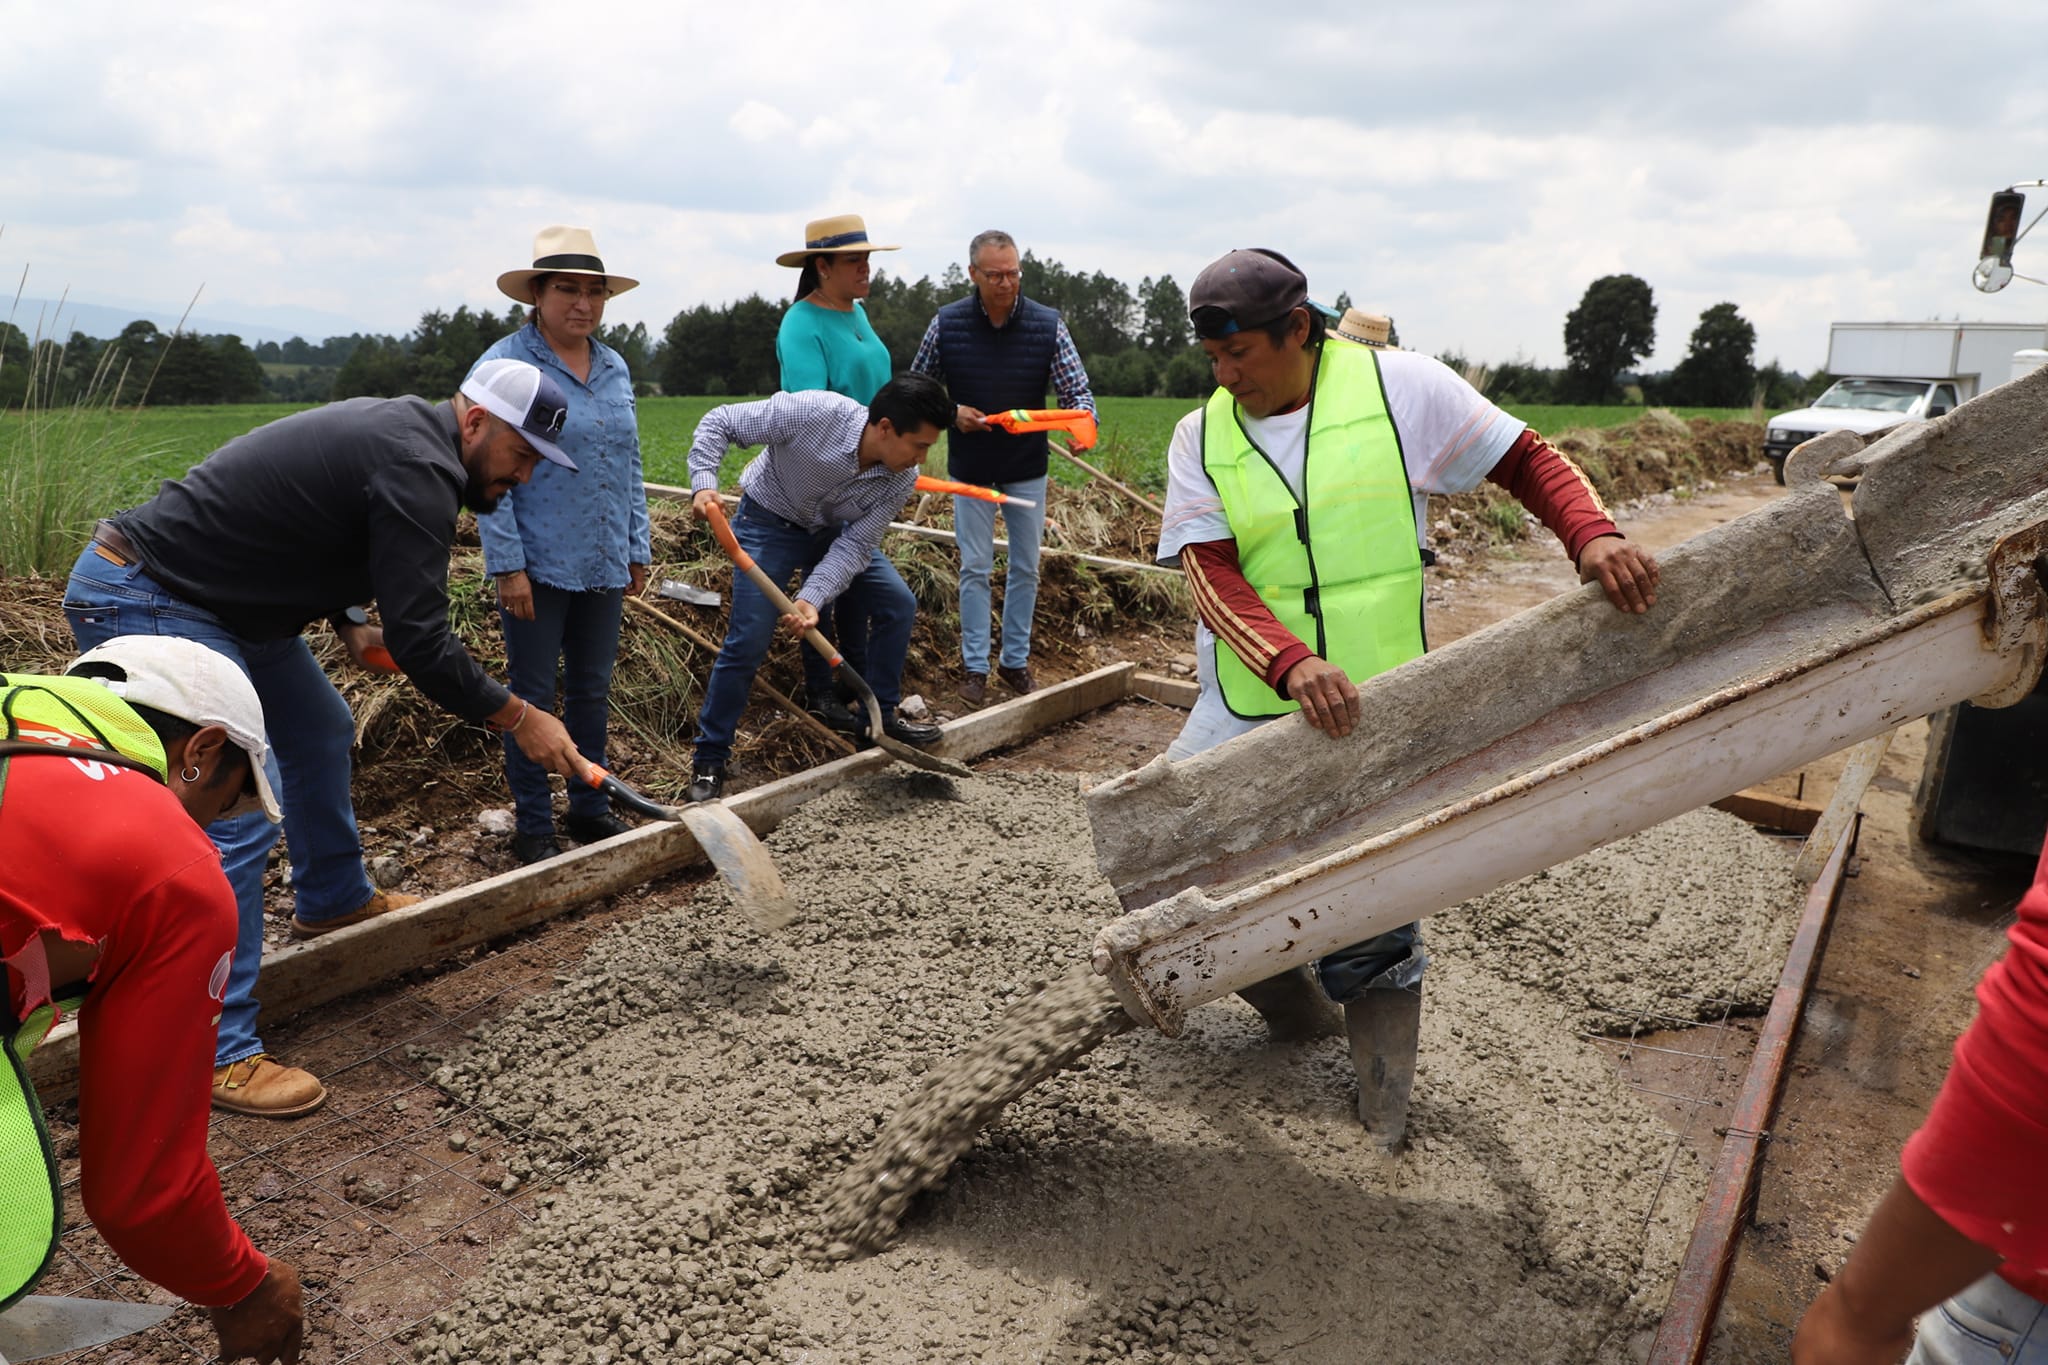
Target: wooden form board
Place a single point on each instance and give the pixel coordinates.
(301, 976)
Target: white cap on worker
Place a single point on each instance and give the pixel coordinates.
(520, 394)
(199, 686)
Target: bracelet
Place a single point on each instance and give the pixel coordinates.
(518, 720)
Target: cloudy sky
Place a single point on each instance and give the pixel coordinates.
(1465, 165)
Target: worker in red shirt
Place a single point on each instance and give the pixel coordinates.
(1964, 1228)
(111, 891)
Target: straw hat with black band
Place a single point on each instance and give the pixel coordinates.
(561, 251)
(842, 234)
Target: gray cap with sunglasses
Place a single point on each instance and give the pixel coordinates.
(1243, 289)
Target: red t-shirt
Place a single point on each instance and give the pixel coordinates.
(106, 855)
(1981, 1159)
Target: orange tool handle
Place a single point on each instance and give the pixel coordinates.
(927, 484)
(721, 528)
(1078, 423)
(379, 658)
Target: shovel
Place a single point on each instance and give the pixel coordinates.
(895, 748)
(43, 1325)
(733, 849)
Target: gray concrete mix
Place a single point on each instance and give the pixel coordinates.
(1209, 1198)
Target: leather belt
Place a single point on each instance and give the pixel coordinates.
(112, 546)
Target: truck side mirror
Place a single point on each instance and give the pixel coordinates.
(2001, 231)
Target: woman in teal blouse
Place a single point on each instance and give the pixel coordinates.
(826, 343)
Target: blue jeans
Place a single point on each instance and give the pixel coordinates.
(974, 525)
(581, 630)
(311, 734)
(1989, 1323)
(782, 548)
(1390, 961)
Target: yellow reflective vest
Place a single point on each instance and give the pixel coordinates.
(1341, 567)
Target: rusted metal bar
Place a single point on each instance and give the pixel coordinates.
(1731, 1194)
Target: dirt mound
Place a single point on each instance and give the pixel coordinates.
(1659, 452)
(417, 764)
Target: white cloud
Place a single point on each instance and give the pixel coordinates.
(758, 122)
(1470, 168)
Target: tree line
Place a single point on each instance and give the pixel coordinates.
(1133, 341)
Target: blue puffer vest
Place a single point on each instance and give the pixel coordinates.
(994, 369)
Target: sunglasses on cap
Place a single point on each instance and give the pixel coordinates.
(545, 418)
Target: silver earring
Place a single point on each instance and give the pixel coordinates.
(190, 774)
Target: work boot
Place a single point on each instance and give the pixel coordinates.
(263, 1086)
(1018, 680)
(707, 782)
(973, 689)
(836, 715)
(383, 903)
(911, 731)
(589, 829)
(535, 848)
(1385, 1029)
(1294, 1007)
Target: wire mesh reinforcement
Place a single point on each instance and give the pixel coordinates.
(387, 1199)
(1686, 1056)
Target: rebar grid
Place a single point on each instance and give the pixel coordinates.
(376, 1085)
(1690, 1079)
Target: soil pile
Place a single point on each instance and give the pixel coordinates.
(1209, 1197)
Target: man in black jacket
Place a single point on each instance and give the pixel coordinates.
(996, 350)
(302, 519)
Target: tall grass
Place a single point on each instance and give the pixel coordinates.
(64, 465)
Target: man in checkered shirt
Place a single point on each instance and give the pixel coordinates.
(832, 475)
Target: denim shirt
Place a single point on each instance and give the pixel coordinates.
(576, 531)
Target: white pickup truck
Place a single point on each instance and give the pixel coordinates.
(1861, 404)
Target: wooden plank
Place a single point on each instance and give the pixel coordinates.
(301, 976)
(1167, 691)
(669, 492)
(1010, 722)
(1770, 811)
(1841, 810)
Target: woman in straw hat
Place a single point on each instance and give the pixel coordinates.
(566, 547)
(826, 342)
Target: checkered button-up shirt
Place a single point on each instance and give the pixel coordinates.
(810, 474)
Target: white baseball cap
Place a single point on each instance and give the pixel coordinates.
(199, 686)
(520, 394)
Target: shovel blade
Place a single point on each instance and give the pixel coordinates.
(44, 1325)
(742, 859)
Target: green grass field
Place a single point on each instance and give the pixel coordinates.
(1135, 432)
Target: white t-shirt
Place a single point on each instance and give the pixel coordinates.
(1450, 437)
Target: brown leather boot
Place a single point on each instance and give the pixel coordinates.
(263, 1086)
(1294, 1007)
(383, 903)
(1385, 1031)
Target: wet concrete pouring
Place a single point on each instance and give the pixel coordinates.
(654, 1125)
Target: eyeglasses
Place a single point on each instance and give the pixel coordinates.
(565, 289)
(999, 276)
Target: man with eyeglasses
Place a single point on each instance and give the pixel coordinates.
(1307, 575)
(301, 520)
(995, 350)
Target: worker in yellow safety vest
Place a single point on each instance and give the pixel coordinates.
(1295, 507)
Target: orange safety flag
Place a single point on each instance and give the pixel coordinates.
(927, 484)
(1078, 423)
